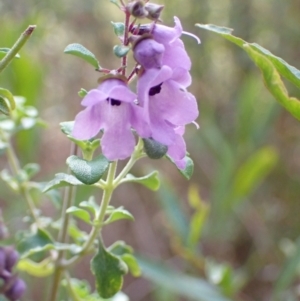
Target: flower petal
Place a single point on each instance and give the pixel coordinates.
(93, 97)
(88, 123)
(118, 141)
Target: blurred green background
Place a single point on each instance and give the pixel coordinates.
(246, 152)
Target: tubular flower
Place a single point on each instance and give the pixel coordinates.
(111, 108)
(166, 102)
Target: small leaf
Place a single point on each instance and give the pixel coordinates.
(67, 127)
(91, 205)
(5, 50)
(31, 169)
(120, 50)
(154, 149)
(8, 95)
(41, 269)
(4, 108)
(62, 180)
(82, 52)
(80, 213)
(151, 180)
(120, 248)
(119, 214)
(34, 243)
(88, 172)
(82, 92)
(119, 28)
(108, 270)
(189, 167)
(132, 264)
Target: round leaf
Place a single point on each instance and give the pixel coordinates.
(88, 172)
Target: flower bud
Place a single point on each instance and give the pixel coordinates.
(16, 291)
(12, 257)
(154, 10)
(137, 9)
(148, 52)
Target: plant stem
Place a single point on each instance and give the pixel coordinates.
(16, 47)
(15, 168)
(62, 235)
(106, 197)
(137, 154)
(125, 41)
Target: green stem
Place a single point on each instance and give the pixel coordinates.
(62, 235)
(16, 47)
(137, 154)
(24, 190)
(98, 224)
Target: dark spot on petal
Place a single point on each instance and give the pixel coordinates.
(113, 102)
(155, 90)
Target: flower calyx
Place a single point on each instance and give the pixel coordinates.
(137, 9)
(154, 10)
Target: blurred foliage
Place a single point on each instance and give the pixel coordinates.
(245, 153)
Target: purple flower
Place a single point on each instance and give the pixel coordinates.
(175, 55)
(177, 150)
(17, 290)
(148, 53)
(166, 102)
(112, 108)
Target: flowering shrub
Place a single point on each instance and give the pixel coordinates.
(131, 114)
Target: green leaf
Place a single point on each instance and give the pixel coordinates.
(132, 264)
(119, 28)
(62, 180)
(91, 205)
(120, 50)
(274, 83)
(270, 66)
(150, 181)
(120, 248)
(289, 72)
(154, 149)
(88, 172)
(6, 50)
(189, 168)
(34, 243)
(198, 219)
(82, 93)
(31, 169)
(119, 214)
(41, 269)
(191, 288)
(252, 172)
(80, 213)
(82, 52)
(188, 171)
(67, 127)
(4, 108)
(108, 270)
(8, 95)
